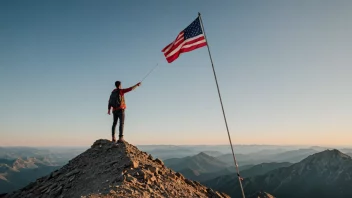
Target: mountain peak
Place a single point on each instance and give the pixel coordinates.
(202, 154)
(332, 154)
(115, 170)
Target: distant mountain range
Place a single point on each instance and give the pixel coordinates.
(326, 174)
(213, 153)
(21, 165)
(261, 166)
(167, 152)
(202, 167)
(19, 172)
(202, 163)
(56, 156)
(172, 151)
(205, 176)
(266, 157)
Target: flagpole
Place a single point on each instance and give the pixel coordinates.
(222, 106)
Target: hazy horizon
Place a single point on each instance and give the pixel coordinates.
(283, 67)
(182, 145)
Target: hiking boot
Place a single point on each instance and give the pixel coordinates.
(121, 140)
(113, 139)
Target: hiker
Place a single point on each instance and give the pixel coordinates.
(118, 105)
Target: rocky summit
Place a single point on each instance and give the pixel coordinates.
(114, 170)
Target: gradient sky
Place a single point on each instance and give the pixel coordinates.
(284, 70)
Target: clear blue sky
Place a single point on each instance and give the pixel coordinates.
(284, 70)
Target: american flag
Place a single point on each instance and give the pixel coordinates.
(187, 40)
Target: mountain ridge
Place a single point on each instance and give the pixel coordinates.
(16, 173)
(324, 174)
(200, 162)
(291, 156)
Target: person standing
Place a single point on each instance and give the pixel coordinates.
(118, 105)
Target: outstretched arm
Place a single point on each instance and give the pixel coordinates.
(131, 88)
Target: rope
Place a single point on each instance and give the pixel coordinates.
(150, 72)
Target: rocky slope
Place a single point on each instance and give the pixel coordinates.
(109, 170)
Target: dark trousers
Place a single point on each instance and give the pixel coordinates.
(118, 115)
